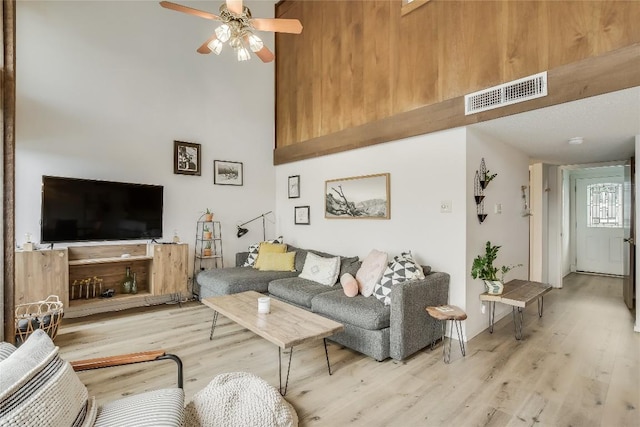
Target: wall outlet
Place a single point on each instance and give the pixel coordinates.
(483, 309)
(445, 206)
(498, 208)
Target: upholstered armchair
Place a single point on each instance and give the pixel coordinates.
(38, 388)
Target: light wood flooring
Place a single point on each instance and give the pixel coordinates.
(577, 366)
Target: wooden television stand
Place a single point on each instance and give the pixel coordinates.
(161, 275)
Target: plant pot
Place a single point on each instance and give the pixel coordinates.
(206, 252)
(494, 287)
(206, 235)
(208, 217)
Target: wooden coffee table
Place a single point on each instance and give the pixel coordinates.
(285, 326)
(518, 294)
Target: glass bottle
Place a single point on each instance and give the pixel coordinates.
(134, 285)
(127, 282)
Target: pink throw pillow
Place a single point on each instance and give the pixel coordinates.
(371, 271)
(349, 285)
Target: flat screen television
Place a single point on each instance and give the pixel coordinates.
(83, 210)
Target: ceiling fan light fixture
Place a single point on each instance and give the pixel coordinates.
(215, 46)
(223, 32)
(255, 43)
(243, 54)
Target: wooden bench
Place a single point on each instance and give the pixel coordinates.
(518, 294)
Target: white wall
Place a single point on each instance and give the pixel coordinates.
(425, 170)
(637, 222)
(508, 229)
(103, 90)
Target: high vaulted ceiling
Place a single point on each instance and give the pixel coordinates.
(608, 123)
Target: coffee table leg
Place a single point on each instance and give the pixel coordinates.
(492, 315)
(540, 306)
(517, 321)
(326, 353)
(213, 324)
(286, 384)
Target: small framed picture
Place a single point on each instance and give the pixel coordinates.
(227, 173)
(301, 215)
(294, 187)
(186, 158)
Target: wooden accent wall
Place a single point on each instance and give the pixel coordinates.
(359, 63)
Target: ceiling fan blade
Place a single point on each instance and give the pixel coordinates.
(279, 25)
(265, 54)
(204, 49)
(235, 6)
(189, 10)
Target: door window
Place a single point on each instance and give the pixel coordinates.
(604, 205)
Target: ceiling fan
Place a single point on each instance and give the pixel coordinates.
(237, 28)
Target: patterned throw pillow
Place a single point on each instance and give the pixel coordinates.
(401, 269)
(321, 270)
(253, 252)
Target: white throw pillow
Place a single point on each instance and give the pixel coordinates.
(321, 270)
(371, 271)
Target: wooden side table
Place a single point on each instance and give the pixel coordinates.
(456, 315)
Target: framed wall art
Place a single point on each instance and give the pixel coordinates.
(227, 173)
(186, 158)
(293, 187)
(365, 197)
(301, 215)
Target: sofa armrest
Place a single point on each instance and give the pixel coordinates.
(128, 359)
(411, 327)
(241, 258)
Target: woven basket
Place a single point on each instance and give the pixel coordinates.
(46, 315)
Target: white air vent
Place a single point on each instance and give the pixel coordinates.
(506, 94)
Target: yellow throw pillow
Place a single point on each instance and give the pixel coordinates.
(272, 261)
(267, 248)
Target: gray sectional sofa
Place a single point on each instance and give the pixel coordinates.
(379, 331)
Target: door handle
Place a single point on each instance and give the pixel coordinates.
(629, 240)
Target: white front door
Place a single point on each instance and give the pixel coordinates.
(599, 227)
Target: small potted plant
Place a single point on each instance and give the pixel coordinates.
(487, 178)
(206, 233)
(207, 249)
(208, 215)
(484, 269)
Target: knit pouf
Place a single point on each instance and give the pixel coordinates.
(239, 399)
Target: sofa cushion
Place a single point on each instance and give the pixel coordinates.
(299, 291)
(321, 270)
(370, 271)
(401, 269)
(360, 311)
(226, 281)
(269, 248)
(347, 264)
(253, 252)
(349, 285)
(155, 408)
(38, 388)
(276, 261)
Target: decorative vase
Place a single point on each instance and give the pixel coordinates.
(134, 285)
(127, 282)
(494, 287)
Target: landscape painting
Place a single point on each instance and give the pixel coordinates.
(227, 173)
(365, 197)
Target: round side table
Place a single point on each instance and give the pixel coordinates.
(456, 315)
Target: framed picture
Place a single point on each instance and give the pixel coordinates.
(294, 187)
(301, 215)
(186, 158)
(365, 197)
(227, 173)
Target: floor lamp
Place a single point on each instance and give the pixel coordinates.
(243, 231)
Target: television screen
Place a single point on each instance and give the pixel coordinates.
(81, 210)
